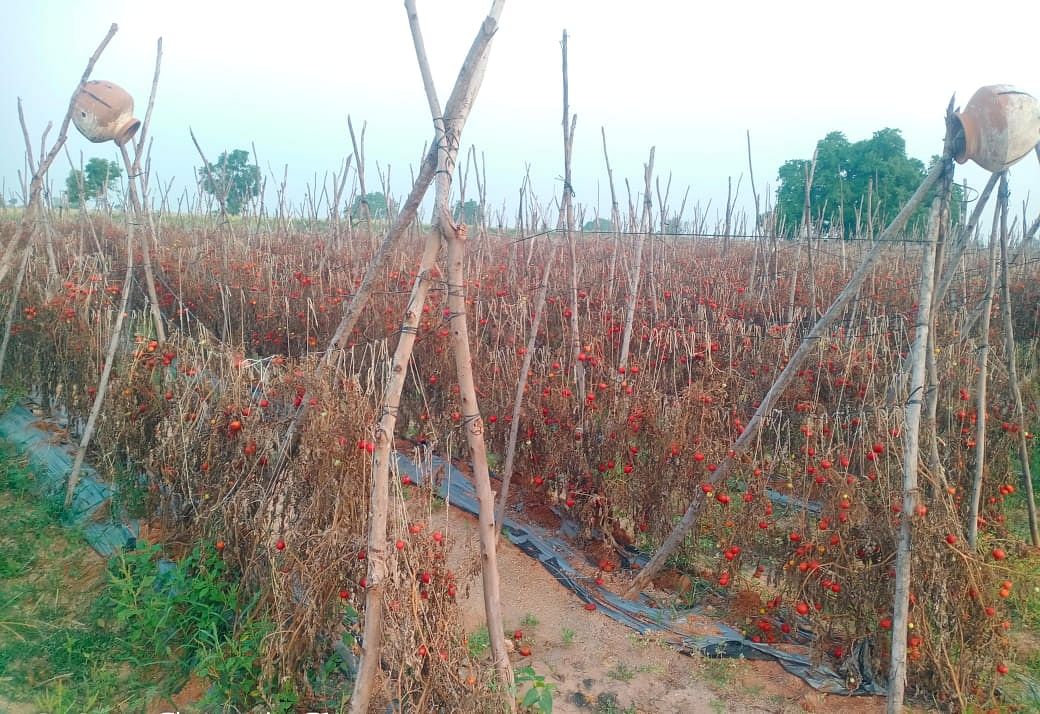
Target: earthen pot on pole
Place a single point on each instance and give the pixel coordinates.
(105, 112)
(1001, 125)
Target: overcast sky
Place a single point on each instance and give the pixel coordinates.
(689, 78)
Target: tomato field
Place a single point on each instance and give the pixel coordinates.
(251, 312)
(828, 440)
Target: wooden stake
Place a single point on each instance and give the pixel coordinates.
(521, 385)
(1012, 365)
(911, 435)
(136, 177)
(633, 283)
(615, 220)
(567, 214)
(983, 365)
(106, 372)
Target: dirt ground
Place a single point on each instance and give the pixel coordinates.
(599, 665)
(9, 707)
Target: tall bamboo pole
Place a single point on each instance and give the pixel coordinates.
(759, 248)
(1016, 391)
(136, 177)
(567, 213)
(633, 283)
(964, 235)
(473, 425)
(981, 382)
(379, 505)
(911, 436)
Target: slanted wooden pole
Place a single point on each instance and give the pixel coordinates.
(106, 371)
(447, 133)
(521, 387)
(27, 225)
(808, 345)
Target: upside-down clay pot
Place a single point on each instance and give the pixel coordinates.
(104, 111)
(1001, 125)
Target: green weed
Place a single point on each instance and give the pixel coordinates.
(478, 643)
(529, 620)
(622, 672)
(76, 636)
(538, 696)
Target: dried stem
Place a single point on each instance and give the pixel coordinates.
(521, 386)
(633, 283)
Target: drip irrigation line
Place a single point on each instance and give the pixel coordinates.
(780, 242)
(557, 556)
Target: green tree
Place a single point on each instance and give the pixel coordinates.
(846, 174)
(233, 178)
(600, 225)
(468, 212)
(376, 206)
(93, 183)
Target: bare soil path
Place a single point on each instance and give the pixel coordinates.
(599, 665)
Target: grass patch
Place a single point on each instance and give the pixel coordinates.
(719, 672)
(622, 672)
(567, 635)
(78, 634)
(52, 654)
(479, 642)
(529, 621)
(1023, 685)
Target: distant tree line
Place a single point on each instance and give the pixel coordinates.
(849, 178)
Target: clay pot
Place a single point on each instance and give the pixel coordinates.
(105, 112)
(1001, 125)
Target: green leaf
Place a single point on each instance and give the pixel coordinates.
(547, 700)
(531, 697)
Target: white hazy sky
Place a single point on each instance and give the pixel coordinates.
(689, 78)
